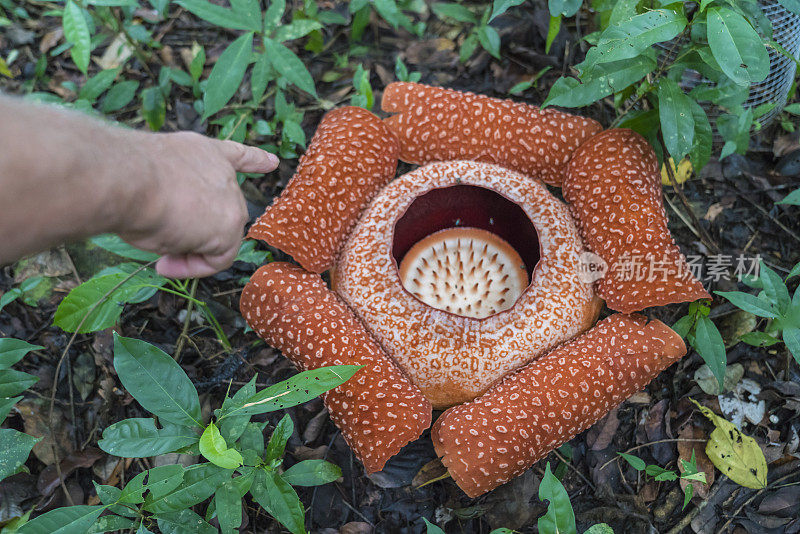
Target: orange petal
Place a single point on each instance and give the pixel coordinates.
(351, 156)
(496, 437)
(378, 410)
(436, 124)
(614, 190)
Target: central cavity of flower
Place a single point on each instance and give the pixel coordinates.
(466, 250)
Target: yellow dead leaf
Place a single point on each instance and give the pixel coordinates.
(682, 172)
(4, 70)
(735, 454)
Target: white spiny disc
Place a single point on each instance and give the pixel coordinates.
(465, 271)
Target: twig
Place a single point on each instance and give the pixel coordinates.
(753, 496)
(186, 321)
(771, 218)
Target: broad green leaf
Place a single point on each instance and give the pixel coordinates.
(735, 454)
(156, 381)
(14, 382)
(501, 6)
(553, 27)
(146, 280)
(278, 498)
(164, 479)
(277, 442)
(5, 406)
(454, 11)
(389, 11)
(113, 243)
(709, 345)
(558, 8)
(605, 80)
(759, 339)
(119, 96)
(430, 528)
(97, 84)
(635, 462)
(703, 142)
(774, 288)
(183, 522)
(112, 523)
(792, 198)
(66, 520)
(14, 450)
(199, 483)
(220, 16)
(139, 438)
(560, 518)
(296, 29)
(298, 389)
(249, 9)
(252, 438)
(630, 37)
(216, 451)
(287, 64)
(490, 40)
(791, 337)
(312, 473)
(599, 528)
(273, 15)
(76, 31)
(750, 303)
(736, 46)
(154, 108)
(113, 3)
(13, 350)
(229, 507)
(227, 74)
(735, 130)
(677, 121)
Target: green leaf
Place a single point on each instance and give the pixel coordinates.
(490, 40)
(389, 11)
(278, 498)
(216, 451)
(119, 96)
(759, 339)
(501, 6)
(774, 288)
(631, 36)
(156, 381)
(98, 83)
(288, 65)
(750, 303)
(553, 27)
(199, 483)
(249, 9)
(139, 438)
(634, 461)
(277, 442)
(736, 46)
(566, 8)
(114, 244)
(605, 80)
(599, 528)
(220, 16)
(229, 507)
(90, 296)
(709, 345)
(660, 474)
(164, 479)
(430, 528)
(183, 522)
(677, 121)
(300, 388)
(227, 74)
(791, 5)
(6, 405)
(454, 11)
(791, 337)
(312, 473)
(296, 29)
(76, 32)
(14, 382)
(560, 517)
(112, 523)
(13, 350)
(14, 450)
(273, 15)
(154, 108)
(66, 520)
(700, 152)
(792, 198)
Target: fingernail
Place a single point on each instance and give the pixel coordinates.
(273, 159)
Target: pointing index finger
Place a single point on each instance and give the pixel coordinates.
(248, 158)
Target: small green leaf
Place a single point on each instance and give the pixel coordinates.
(139, 438)
(565, 8)
(199, 483)
(273, 15)
(156, 381)
(553, 27)
(76, 32)
(220, 16)
(114, 244)
(709, 345)
(677, 120)
(13, 350)
(278, 498)
(119, 96)
(703, 142)
(750, 303)
(490, 40)
(164, 479)
(635, 462)
(66, 520)
(154, 108)
(312, 473)
(454, 11)
(14, 450)
(599, 528)
(791, 337)
(183, 522)
(216, 451)
(775, 289)
(430, 528)
(736, 46)
(296, 29)
(277, 442)
(14, 382)
(289, 66)
(97, 84)
(229, 507)
(227, 74)
(501, 6)
(759, 339)
(792, 199)
(560, 518)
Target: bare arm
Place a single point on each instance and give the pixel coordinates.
(65, 176)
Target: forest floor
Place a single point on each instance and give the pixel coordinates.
(733, 201)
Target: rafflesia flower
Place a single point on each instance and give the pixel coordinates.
(465, 284)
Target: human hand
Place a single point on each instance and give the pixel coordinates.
(193, 211)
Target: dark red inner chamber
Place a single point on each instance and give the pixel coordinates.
(467, 205)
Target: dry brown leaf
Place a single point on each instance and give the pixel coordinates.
(430, 472)
(50, 39)
(54, 434)
(602, 434)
